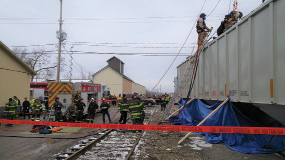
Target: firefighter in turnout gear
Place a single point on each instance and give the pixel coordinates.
(202, 29)
(80, 106)
(36, 107)
(165, 101)
(92, 110)
(76, 99)
(57, 107)
(10, 109)
(33, 101)
(136, 109)
(119, 98)
(19, 107)
(233, 18)
(123, 107)
(104, 109)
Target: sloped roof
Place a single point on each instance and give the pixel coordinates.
(115, 58)
(11, 53)
(124, 76)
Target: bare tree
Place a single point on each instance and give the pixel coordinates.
(39, 61)
(66, 76)
(89, 75)
(82, 73)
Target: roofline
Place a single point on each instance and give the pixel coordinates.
(104, 69)
(139, 84)
(115, 57)
(3, 46)
(122, 75)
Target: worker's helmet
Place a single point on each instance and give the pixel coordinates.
(92, 99)
(56, 98)
(240, 14)
(202, 15)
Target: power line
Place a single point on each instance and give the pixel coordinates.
(124, 54)
(112, 45)
(214, 8)
(88, 19)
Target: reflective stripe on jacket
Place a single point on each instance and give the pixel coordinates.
(123, 106)
(136, 109)
(37, 106)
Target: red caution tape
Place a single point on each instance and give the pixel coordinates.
(32, 113)
(209, 129)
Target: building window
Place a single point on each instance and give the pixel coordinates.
(31, 93)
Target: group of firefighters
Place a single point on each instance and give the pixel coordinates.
(135, 107)
(229, 20)
(12, 108)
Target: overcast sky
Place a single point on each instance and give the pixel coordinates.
(150, 29)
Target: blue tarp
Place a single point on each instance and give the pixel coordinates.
(229, 115)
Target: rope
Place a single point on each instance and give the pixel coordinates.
(235, 4)
(180, 48)
(230, 6)
(114, 116)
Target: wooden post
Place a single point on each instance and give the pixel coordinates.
(214, 111)
(179, 109)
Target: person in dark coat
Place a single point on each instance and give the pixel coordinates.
(114, 100)
(104, 109)
(80, 106)
(57, 107)
(92, 110)
(26, 107)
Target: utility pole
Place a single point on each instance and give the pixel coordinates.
(59, 44)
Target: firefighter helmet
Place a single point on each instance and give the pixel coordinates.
(202, 15)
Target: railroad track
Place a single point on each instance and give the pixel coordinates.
(106, 144)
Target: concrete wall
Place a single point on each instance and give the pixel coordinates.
(111, 78)
(14, 80)
(127, 86)
(138, 88)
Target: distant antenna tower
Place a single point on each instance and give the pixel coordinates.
(70, 67)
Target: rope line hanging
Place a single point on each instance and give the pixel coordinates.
(235, 5)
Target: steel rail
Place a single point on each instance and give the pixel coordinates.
(83, 150)
(86, 148)
(89, 146)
